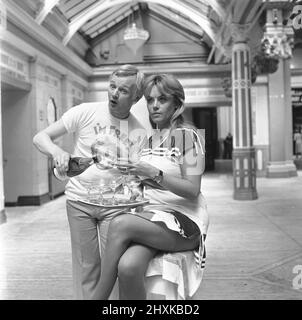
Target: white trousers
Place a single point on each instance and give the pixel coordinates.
(88, 230)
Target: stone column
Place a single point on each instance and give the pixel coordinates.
(278, 42)
(244, 169)
(2, 200)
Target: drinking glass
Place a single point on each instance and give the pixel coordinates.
(133, 183)
(92, 188)
(102, 188)
(113, 185)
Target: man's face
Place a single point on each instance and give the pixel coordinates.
(121, 95)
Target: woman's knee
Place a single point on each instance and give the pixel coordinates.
(118, 225)
(130, 270)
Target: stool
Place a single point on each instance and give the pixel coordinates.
(170, 277)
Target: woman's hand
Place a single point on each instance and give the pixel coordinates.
(141, 168)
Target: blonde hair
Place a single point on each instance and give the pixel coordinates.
(127, 70)
(167, 84)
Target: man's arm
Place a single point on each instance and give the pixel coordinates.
(43, 140)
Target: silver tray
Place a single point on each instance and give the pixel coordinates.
(121, 203)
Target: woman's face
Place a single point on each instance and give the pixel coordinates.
(161, 107)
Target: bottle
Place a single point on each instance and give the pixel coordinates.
(76, 166)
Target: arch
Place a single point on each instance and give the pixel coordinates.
(87, 14)
(48, 6)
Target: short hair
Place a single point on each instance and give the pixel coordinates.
(127, 70)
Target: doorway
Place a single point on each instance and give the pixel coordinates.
(16, 144)
(297, 126)
(206, 118)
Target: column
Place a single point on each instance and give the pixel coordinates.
(2, 200)
(244, 169)
(278, 43)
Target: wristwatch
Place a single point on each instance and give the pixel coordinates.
(159, 177)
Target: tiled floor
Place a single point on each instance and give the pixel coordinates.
(252, 246)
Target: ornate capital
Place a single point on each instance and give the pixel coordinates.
(278, 45)
(239, 32)
(278, 39)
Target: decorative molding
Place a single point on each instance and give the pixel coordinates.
(278, 39)
(36, 56)
(14, 67)
(26, 23)
(242, 84)
(200, 68)
(278, 44)
(203, 95)
(9, 82)
(239, 32)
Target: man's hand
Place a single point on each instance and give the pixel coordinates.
(61, 159)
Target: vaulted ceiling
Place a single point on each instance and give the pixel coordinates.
(94, 17)
(88, 20)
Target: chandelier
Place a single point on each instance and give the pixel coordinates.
(135, 37)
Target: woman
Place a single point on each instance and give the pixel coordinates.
(176, 218)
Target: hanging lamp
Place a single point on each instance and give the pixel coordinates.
(135, 37)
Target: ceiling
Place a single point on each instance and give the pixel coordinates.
(208, 20)
(94, 17)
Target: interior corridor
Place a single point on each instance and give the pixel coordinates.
(252, 246)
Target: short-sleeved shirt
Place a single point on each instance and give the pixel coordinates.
(89, 122)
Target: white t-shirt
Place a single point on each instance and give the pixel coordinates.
(91, 121)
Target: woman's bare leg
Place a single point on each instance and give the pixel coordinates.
(132, 268)
(127, 229)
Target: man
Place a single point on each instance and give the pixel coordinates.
(91, 121)
(228, 146)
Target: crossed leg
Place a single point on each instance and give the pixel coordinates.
(126, 230)
(132, 267)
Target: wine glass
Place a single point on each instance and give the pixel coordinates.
(102, 188)
(133, 183)
(113, 185)
(92, 188)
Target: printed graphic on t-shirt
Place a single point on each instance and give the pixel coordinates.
(112, 144)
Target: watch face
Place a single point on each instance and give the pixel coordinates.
(159, 177)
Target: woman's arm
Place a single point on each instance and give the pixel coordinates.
(188, 186)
